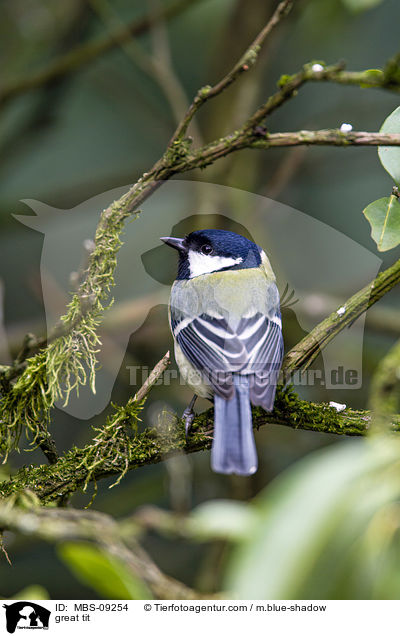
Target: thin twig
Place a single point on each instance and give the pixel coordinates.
(164, 69)
(3, 550)
(101, 530)
(156, 65)
(153, 377)
(85, 53)
(242, 65)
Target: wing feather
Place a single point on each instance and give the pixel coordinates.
(218, 349)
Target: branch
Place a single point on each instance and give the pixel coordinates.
(260, 138)
(157, 64)
(242, 65)
(70, 361)
(114, 451)
(332, 137)
(313, 72)
(56, 483)
(383, 319)
(82, 55)
(302, 355)
(48, 446)
(100, 529)
(153, 377)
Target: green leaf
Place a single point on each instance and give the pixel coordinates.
(108, 576)
(384, 217)
(390, 155)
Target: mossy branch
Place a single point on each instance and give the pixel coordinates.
(117, 447)
(303, 354)
(329, 137)
(116, 539)
(54, 484)
(69, 361)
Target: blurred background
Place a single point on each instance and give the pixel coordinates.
(102, 117)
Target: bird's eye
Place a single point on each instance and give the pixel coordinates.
(206, 249)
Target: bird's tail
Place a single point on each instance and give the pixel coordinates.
(234, 449)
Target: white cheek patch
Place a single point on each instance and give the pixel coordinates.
(205, 263)
(267, 265)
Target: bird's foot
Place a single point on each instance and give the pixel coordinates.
(188, 417)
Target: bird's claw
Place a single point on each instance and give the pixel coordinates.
(188, 417)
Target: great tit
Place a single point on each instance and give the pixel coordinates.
(225, 319)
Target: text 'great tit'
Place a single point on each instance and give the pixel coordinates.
(226, 323)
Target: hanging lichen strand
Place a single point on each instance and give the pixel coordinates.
(70, 361)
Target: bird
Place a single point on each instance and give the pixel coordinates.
(225, 319)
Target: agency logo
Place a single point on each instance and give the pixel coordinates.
(26, 615)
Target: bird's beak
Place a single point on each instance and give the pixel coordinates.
(177, 243)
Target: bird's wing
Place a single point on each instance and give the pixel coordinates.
(262, 338)
(218, 349)
(212, 346)
(264, 344)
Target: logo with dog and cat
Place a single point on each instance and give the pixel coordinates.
(26, 615)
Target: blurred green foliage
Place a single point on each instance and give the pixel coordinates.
(361, 5)
(33, 592)
(327, 528)
(107, 576)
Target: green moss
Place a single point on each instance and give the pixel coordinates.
(291, 411)
(391, 72)
(178, 152)
(284, 80)
(344, 142)
(203, 92)
(118, 447)
(373, 76)
(112, 442)
(70, 361)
